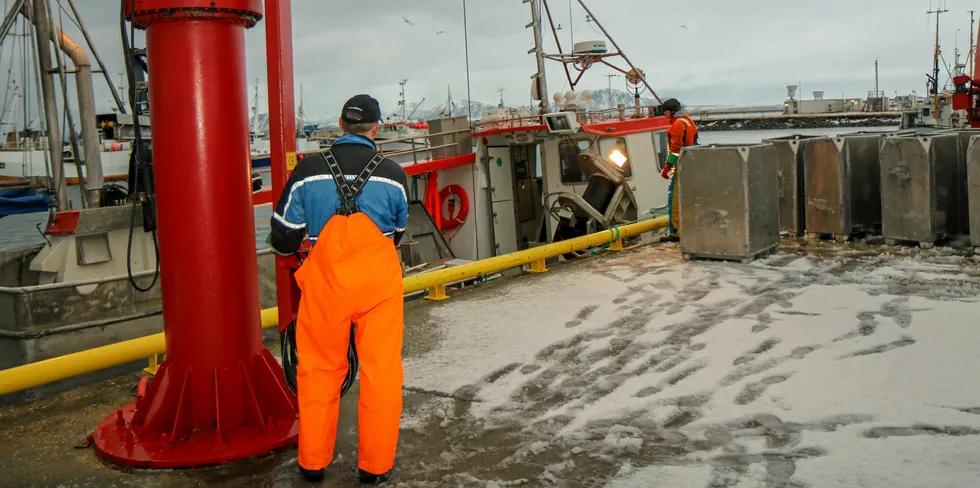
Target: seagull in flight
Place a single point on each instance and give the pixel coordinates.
(440, 32)
(409, 22)
(683, 27)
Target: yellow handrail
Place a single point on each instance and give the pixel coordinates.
(82, 362)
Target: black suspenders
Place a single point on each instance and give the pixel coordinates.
(348, 193)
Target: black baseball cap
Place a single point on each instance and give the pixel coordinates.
(361, 109)
(672, 104)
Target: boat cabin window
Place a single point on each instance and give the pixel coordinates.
(612, 148)
(660, 143)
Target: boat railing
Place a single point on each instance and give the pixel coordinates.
(429, 146)
(621, 113)
(519, 121)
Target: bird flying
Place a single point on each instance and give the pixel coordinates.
(409, 22)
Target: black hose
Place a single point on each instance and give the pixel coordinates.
(140, 177)
(290, 359)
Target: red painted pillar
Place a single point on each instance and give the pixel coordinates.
(282, 136)
(219, 395)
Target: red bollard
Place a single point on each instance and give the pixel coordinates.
(220, 395)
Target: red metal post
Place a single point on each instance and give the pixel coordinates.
(282, 135)
(219, 396)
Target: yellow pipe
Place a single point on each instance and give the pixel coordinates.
(89, 360)
(59, 368)
(74, 364)
(431, 279)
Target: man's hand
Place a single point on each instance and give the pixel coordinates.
(666, 173)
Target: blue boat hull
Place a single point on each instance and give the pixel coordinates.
(261, 162)
(23, 200)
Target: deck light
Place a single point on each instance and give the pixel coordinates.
(617, 156)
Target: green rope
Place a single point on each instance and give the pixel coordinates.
(616, 234)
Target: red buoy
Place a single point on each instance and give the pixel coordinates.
(219, 396)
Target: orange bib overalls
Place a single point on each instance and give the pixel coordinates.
(352, 276)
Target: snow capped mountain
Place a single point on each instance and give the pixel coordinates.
(601, 99)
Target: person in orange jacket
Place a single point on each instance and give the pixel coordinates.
(683, 132)
(352, 204)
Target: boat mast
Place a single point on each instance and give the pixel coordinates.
(402, 102)
(255, 108)
(299, 112)
(540, 81)
(935, 63)
(449, 101)
(42, 30)
(971, 56)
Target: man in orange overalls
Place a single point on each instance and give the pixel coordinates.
(682, 133)
(352, 204)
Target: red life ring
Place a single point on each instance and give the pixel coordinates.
(464, 206)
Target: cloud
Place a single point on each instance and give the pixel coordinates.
(742, 52)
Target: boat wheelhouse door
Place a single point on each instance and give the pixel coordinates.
(515, 196)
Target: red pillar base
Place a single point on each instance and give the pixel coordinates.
(255, 414)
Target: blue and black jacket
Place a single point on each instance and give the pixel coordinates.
(310, 197)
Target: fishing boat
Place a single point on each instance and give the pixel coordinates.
(940, 110)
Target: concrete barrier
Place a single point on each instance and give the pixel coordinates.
(792, 191)
(920, 188)
(843, 185)
(728, 201)
(965, 136)
(973, 180)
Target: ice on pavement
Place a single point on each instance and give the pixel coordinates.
(820, 370)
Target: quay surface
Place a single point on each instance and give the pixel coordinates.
(821, 365)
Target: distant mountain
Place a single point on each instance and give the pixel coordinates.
(601, 99)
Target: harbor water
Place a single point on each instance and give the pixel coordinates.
(18, 231)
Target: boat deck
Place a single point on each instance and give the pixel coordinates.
(820, 365)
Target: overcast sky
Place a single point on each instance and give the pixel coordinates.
(727, 52)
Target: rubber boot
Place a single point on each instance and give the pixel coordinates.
(312, 475)
(373, 479)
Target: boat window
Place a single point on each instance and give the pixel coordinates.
(660, 143)
(611, 148)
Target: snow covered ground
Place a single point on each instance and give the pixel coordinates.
(830, 369)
